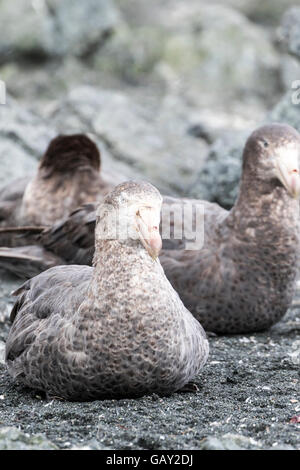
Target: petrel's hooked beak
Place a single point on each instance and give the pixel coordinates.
(288, 173)
(148, 220)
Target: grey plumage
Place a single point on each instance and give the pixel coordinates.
(115, 329)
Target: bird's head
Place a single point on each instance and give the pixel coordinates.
(132, 211)
(69, 153)
(272, 155)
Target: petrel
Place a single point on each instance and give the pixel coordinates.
(117, 329)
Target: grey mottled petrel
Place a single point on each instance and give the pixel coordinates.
(115, 329)
(244, 277)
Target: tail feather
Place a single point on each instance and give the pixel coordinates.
(19, 236)
(26, 262)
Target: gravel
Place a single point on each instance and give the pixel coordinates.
(248, 399)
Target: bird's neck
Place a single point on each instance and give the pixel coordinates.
(53, 179)
(120, 265)
(273, 214)
(263, 233)
(47, 200)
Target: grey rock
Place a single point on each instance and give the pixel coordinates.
(294, 353)
(137, 141)
(14, 161)
(290, 31)
(24, 137)
(238, 442)
(183, 47)
(132, 54)
(281, 446)
(218, 180)
(2, 352)
(7, 285)
(290, 70)
(141, 11)
(93, 444)
(287, 110)
(24, 127)
(78, 27)
(268, 13)
(54, 28)
(197, 52)
(11, 438)
(229, 442)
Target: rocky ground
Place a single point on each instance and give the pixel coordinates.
(248, 399)
(169, 90)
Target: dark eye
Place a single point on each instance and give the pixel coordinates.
(266, 144)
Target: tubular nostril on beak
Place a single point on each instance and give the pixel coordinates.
(288, 174)
(148, 231)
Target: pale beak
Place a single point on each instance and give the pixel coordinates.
(288, 174)
(148, 220)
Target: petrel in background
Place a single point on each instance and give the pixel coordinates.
(68, 176)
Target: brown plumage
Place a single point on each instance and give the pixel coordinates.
(243, 279)
(67, 176)
(112, 330)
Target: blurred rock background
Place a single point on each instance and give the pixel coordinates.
(169, 89)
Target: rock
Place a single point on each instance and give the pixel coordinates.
(22, 126)
(2, 352)
(12, 438)
(137, 11)
(7, 285)
(138, 141)
(238, 442)
(52, 28)
(14, 161)
(79, 27)
(280, 446)
(219, 179)
(290, 70)
(287, 109)
(184, 49)
(90, 445)
(229, 442)
(294, 352)
(267, 13)
(131, 55)
(24, 137)
(201, 131)
(197, 50)
(290, 31)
